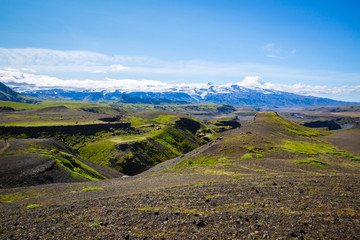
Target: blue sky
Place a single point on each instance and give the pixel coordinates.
(312, 47)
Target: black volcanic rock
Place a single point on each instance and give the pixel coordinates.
(232, 123)
(331, 125)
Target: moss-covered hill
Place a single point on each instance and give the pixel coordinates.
(271, 145)
(133, 143)
(159, 136)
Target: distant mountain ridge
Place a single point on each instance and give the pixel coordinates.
(182, 94)
(7, 94)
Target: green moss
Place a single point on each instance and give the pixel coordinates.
(259, 156)
(236, 177)
(19, 196)
(74, 166)
(210, 136)
(247, 156)
(33, 205)
(149, 209)
(222, 160)
(88, 189)
(98, 152)
(309, 148)
(305, 132)
(357, 159)
(313, 162)
(94, 225)
(211, 196)
(177, 140)
(203, 161)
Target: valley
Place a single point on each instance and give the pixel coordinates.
(167, 175)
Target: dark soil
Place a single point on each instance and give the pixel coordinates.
(348, 140)
(283, 207)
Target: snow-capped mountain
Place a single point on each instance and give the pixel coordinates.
(252, 91)
(233, 94)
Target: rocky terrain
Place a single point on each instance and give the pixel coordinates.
(253, 182)
(257, 207)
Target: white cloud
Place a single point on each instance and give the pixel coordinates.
(256, 82)
(49, 57)
(272, 51)
(252, 82)
(118, 67)
(270, 47)
(25, 81)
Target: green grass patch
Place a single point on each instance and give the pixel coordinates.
(316, 149)
(309, 148)
(211, 196)
(203, 161)
(33, 205)
(206, 161)
(303, 131)
(94, 225)
(312, 162)
(150, 209)
(176, 140)
(19, 196)
(18, 105)
(247, 156)
(88, 189)
(236, 177)
(98, 152)
(223, 160)
(165, 118)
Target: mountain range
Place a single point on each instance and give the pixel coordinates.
(182, 94)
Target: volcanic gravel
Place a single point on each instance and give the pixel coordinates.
(274, 207)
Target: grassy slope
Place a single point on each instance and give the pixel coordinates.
(141, 152)
(271, 145)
